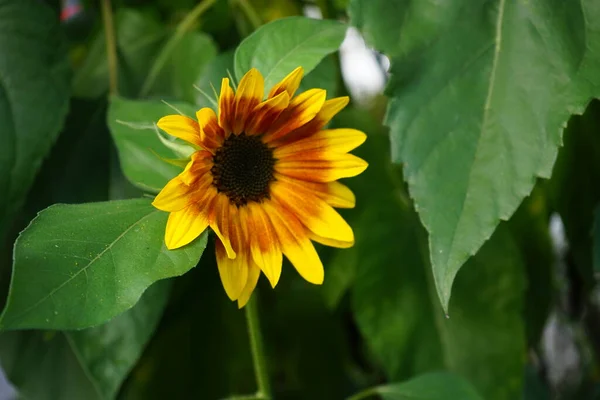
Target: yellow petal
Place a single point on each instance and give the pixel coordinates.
(335, 140)
(253, 275)
(313, 212)
(302, 109)
(184, 226)
(289, 84)
(233, 272)
(181, 127)
(219, 222)
(330, 242)
(295, 243)
(174, 196)
(226, 104)
(249, 94)
(266, 113)
(336, 166)
(334, 193)
(211, 134)
(264, 246)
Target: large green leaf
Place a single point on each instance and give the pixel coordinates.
(93, 362)
(138, 39)
(432, 386)
(215, 71)
(34, 96)
(281, 46)
(479, 99)
(79, 265)
(132, 124)
(393, 294)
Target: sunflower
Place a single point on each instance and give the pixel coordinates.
(263, 177)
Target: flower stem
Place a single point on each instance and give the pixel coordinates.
(256, 347)
(184, 26)
(111, 47)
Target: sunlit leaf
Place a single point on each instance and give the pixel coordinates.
(93, 362)
(281, 46)
(480, 92)
(132, 125)
(77, 266)
(34, 96)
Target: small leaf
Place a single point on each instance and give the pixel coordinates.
(279, 47)
(94, 362)
(77, 266)
(431, 386)
(34, 96)
(132, 125)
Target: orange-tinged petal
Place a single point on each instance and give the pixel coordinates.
(218, 219)
(313, 212)
(336, 140)
(198, 167)
(253, 275)
(266, 113)
(211, 134)
(334, 193)
(264, 246)
(184, 226)
(295, 243)
(302, 109)
(336, 166)
(249, 94)
(181, 127)
(174, 196)
(226, 106)
(289, 84)
(233, 272)
(330, 242)
(330, 108)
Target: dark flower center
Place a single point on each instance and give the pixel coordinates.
(243, 169)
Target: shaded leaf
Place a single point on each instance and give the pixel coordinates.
(79, 265)
(478, 103)
(132, 125)
(93, 362)
(432, 386)
(279, 47)
(34, 96)
(211, 78)
(324, 76)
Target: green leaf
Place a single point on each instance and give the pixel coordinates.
(324, 76)
(432, 386)
(187, 63)
(93, 362)
(279, 47)
(132, 125)
(478, 103)
(135, 55)
(34, 96)
(393, 293)
(211, 78)
(77, 266)
(597, 241)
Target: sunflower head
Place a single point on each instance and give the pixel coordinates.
(264, 178)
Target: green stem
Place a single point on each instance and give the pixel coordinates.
(256, 347)
(250, 13)
(111, 47)
(184, 26)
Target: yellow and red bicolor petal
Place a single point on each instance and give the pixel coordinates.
(226, 106)
(185, 225)
(313, 212)
(218, 219)
(302, 109)
(211, 134)
(266, 113)
(264, 246)
(334, 193)
(253, 275)
(288, 84)
(330, 108)
(181, 127)
(295, 243)
(330, 242)
(337, 140)
(233, 272)
(249, 94)
(326, 169)
(199, 166)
